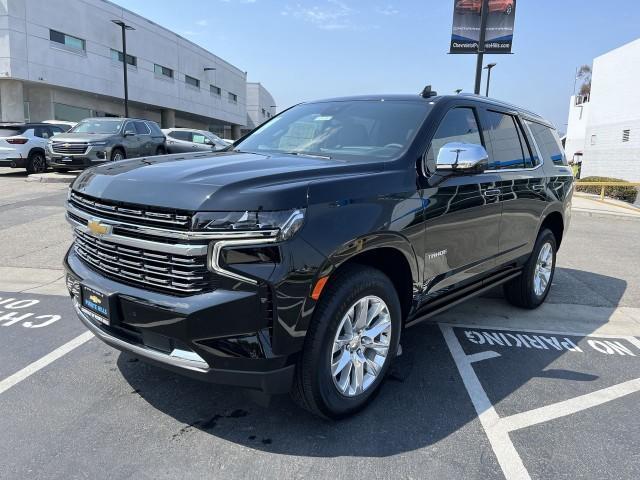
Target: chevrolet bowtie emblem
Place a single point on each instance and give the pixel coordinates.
(66, 145)
(98, 228)
(95, 299)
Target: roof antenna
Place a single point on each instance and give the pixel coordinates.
(428, 93)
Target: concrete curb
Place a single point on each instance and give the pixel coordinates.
(51, 177)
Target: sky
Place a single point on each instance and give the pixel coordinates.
(310, 49)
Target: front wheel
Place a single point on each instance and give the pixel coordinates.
(117, 154)
(36, 163)
(531, 288)
(353, 339)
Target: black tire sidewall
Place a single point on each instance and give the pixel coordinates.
(115, 151)
(546, 236)
(31, 165)
(373, 282)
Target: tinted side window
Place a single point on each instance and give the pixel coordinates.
(155, 129)
(509, 149)
(181, 135)
(129, 128)
(141, 128)
(458, 125)
(548, 143)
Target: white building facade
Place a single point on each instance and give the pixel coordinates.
(62, 59)
(260, 105)
(605, 126)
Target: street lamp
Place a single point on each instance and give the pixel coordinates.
(488, 69)
(124, 28)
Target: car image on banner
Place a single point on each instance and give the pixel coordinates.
(466, 26)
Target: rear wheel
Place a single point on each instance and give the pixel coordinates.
(36, 163)
(531, 288)
(353, 338)
(117, 154)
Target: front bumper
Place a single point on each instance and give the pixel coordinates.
(220, 336)
(92, 157)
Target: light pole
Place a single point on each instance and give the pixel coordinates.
(488, 69)
(484, 15)
(124, 28)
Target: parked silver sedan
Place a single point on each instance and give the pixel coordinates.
(181, 140)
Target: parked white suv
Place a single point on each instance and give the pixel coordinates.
(23, 145)
(184, 140)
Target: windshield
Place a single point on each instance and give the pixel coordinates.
(347, 129)
(97, 126)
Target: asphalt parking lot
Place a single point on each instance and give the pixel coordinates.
(484, 391)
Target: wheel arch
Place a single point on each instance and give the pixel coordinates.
(554, 221)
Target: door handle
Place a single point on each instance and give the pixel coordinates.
(494, 192)
(538, 188)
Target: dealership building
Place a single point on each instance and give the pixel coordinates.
(62, 59)
(603, 130)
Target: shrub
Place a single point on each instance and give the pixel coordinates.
(626, 194)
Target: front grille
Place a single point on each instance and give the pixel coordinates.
(152, 217)
(175, 274)
(69, 148)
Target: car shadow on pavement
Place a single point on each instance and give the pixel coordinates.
(422, 402)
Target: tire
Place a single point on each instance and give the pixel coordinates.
(118, 154)
(525, 291)
(315, 387)
(36, 163)
(161, 150)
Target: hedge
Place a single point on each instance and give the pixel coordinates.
(626, 194)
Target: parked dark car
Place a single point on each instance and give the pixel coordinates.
(94, 141)
(187, 140)
(296, 260)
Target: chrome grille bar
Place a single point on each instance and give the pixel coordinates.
(95, 206)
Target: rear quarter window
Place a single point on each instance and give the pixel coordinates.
(548, 142)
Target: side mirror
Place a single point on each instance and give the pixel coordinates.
(458, 157)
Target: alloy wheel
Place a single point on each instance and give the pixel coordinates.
(361, 346)
(544, 267)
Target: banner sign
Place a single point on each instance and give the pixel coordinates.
(467, 17)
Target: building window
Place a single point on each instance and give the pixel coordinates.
(594, 138)
(69, 113)
(67, 40)
(116, 56)
(625, 135)
(215, 90)
(164, 71)
(194, 82)
(233, 98)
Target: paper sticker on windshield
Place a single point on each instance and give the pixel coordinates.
(322, 119)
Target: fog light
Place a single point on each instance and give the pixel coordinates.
(100, 155)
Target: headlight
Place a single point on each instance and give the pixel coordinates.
(97, 144)
(281, 224)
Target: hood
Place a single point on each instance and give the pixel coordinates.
(82, 137)
(224, 181)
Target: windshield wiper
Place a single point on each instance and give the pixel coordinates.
(312, 155)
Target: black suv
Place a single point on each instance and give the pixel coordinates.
(294, 260)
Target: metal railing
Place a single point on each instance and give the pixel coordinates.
(604, 185)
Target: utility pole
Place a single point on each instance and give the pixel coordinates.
(124, 28)
(484, 15)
